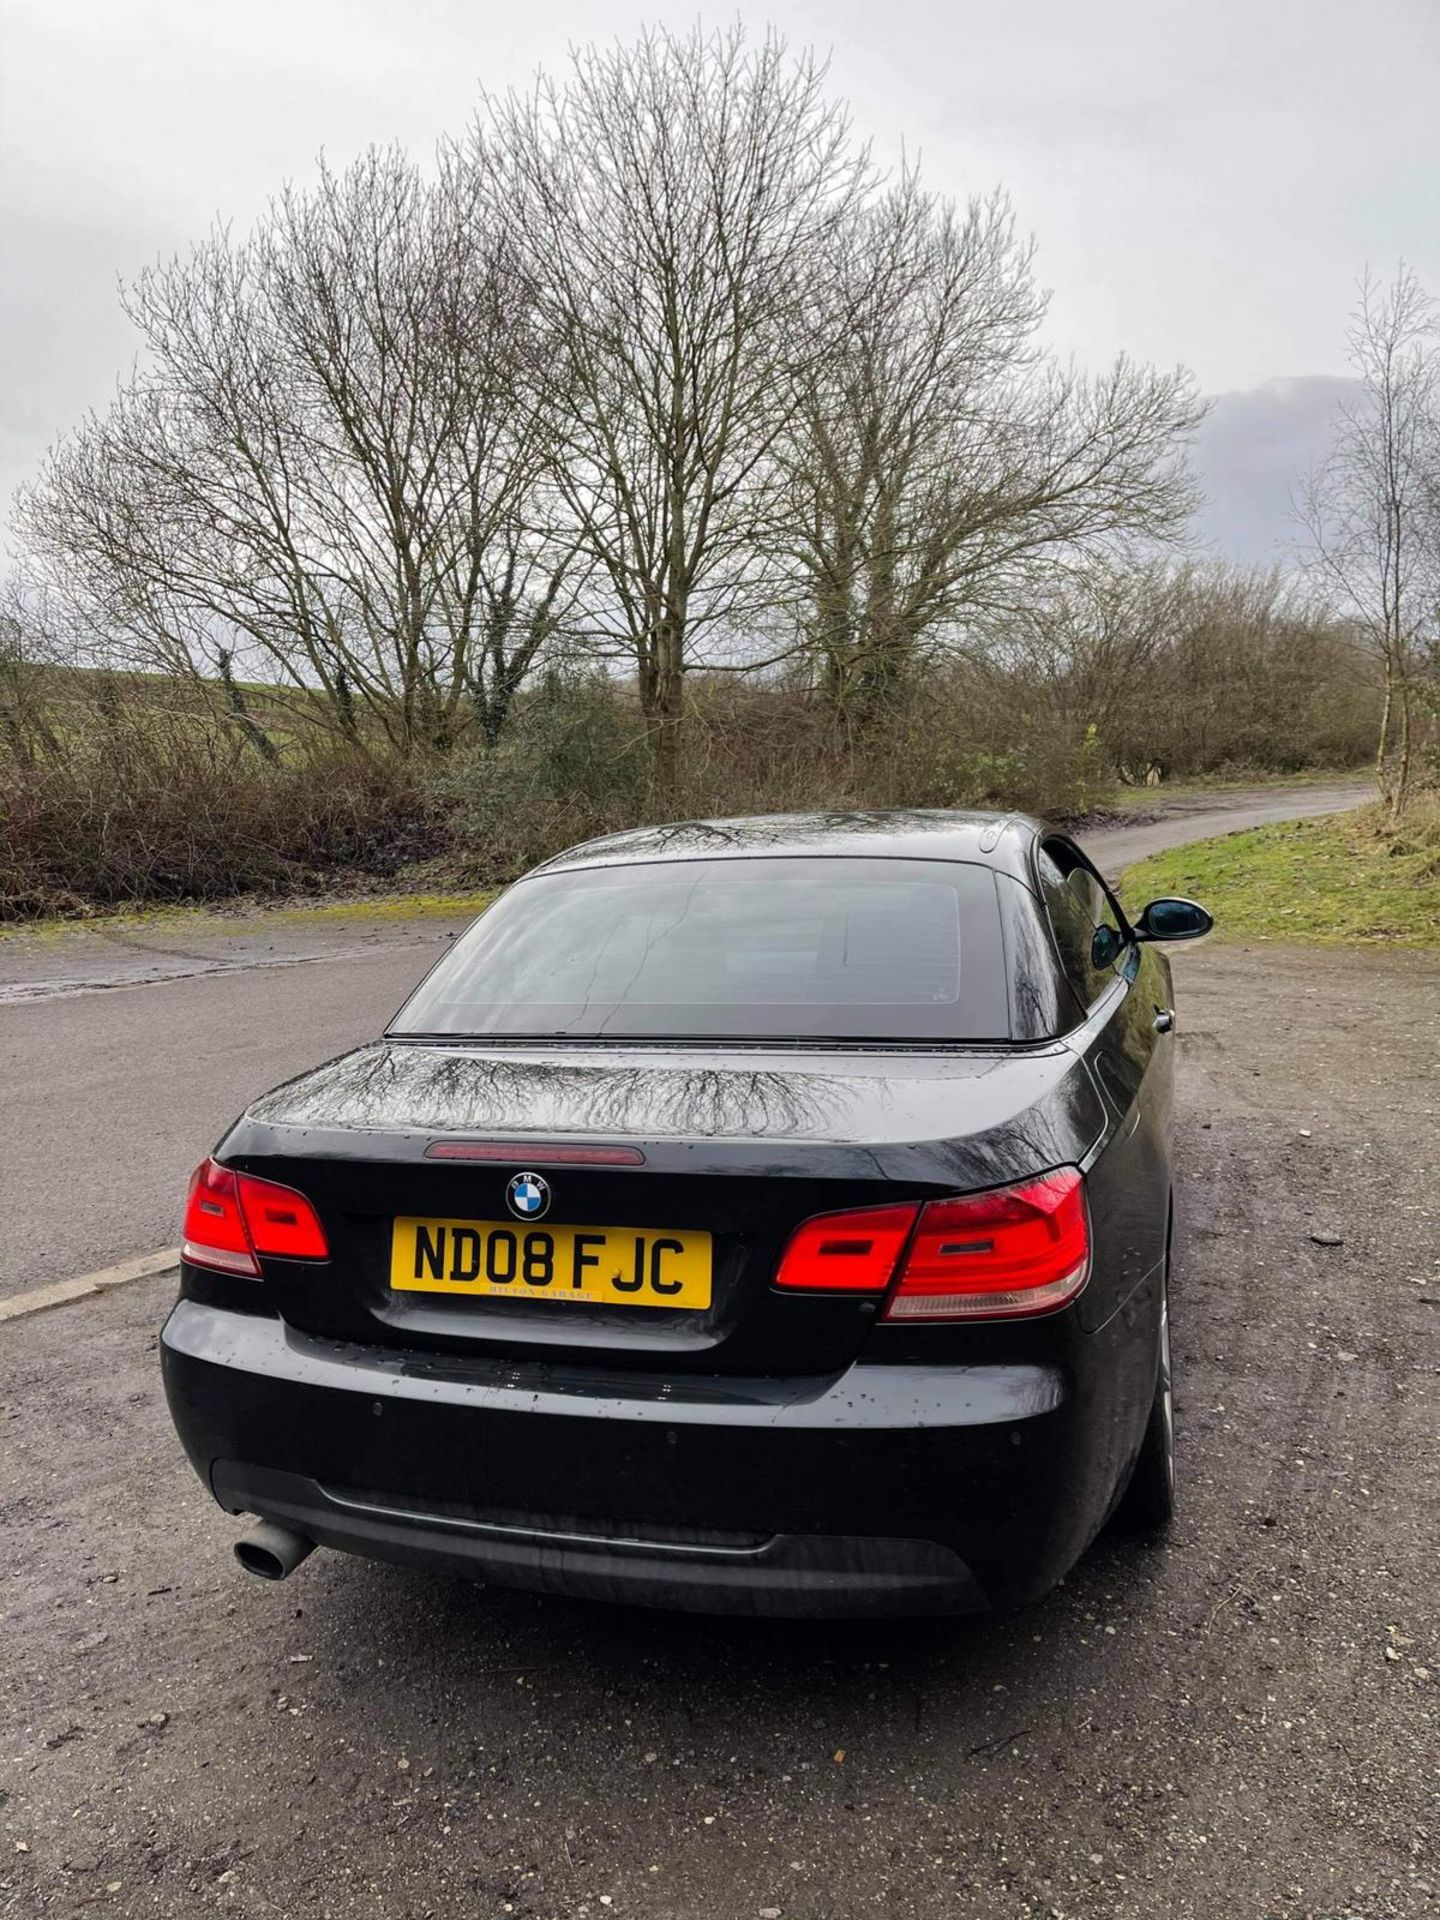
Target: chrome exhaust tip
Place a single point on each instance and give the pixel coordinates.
(272, 1552)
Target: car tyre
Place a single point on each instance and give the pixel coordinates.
(1148, 1505)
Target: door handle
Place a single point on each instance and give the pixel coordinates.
(1164, 1020)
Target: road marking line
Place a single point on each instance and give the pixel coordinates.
(38, 1299)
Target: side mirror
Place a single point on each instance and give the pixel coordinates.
(1173, 920)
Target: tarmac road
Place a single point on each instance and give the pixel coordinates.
(127, 1053)
(1240, 1725)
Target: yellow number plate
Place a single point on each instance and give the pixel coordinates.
(498, 1259)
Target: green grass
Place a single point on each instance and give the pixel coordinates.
(390, 906)
(247, 912)
(1342, 880)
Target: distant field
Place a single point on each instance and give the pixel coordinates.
(86, 700)
(1141, 799)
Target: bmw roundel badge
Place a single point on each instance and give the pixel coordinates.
(528, 1196)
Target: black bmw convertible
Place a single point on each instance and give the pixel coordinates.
(767, 1215)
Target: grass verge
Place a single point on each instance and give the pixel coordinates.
(1348, 879)
(248, 913)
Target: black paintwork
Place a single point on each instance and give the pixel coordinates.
(1002, 842)
(877, 1466)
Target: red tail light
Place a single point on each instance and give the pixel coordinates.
(215, 1234)
(231, 1217)
(850, 1252)
(997, 1255)
(1000, 1255)
(281, 1221)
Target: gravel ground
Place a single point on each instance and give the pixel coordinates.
(1241, 1723)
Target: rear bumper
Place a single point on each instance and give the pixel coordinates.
(890, 1489)
(794, 1574)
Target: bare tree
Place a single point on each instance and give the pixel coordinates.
(937, 457)
(1088, 641)
(327, 470)
(1369, 511)
(675, 197)
(650, 370)
(1186, 668)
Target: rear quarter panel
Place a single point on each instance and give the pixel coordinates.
(1130, 1182)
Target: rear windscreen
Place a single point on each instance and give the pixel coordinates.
(764, 949)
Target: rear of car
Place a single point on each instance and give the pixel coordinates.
(711, 1229)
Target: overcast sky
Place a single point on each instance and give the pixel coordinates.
(1205, 178)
